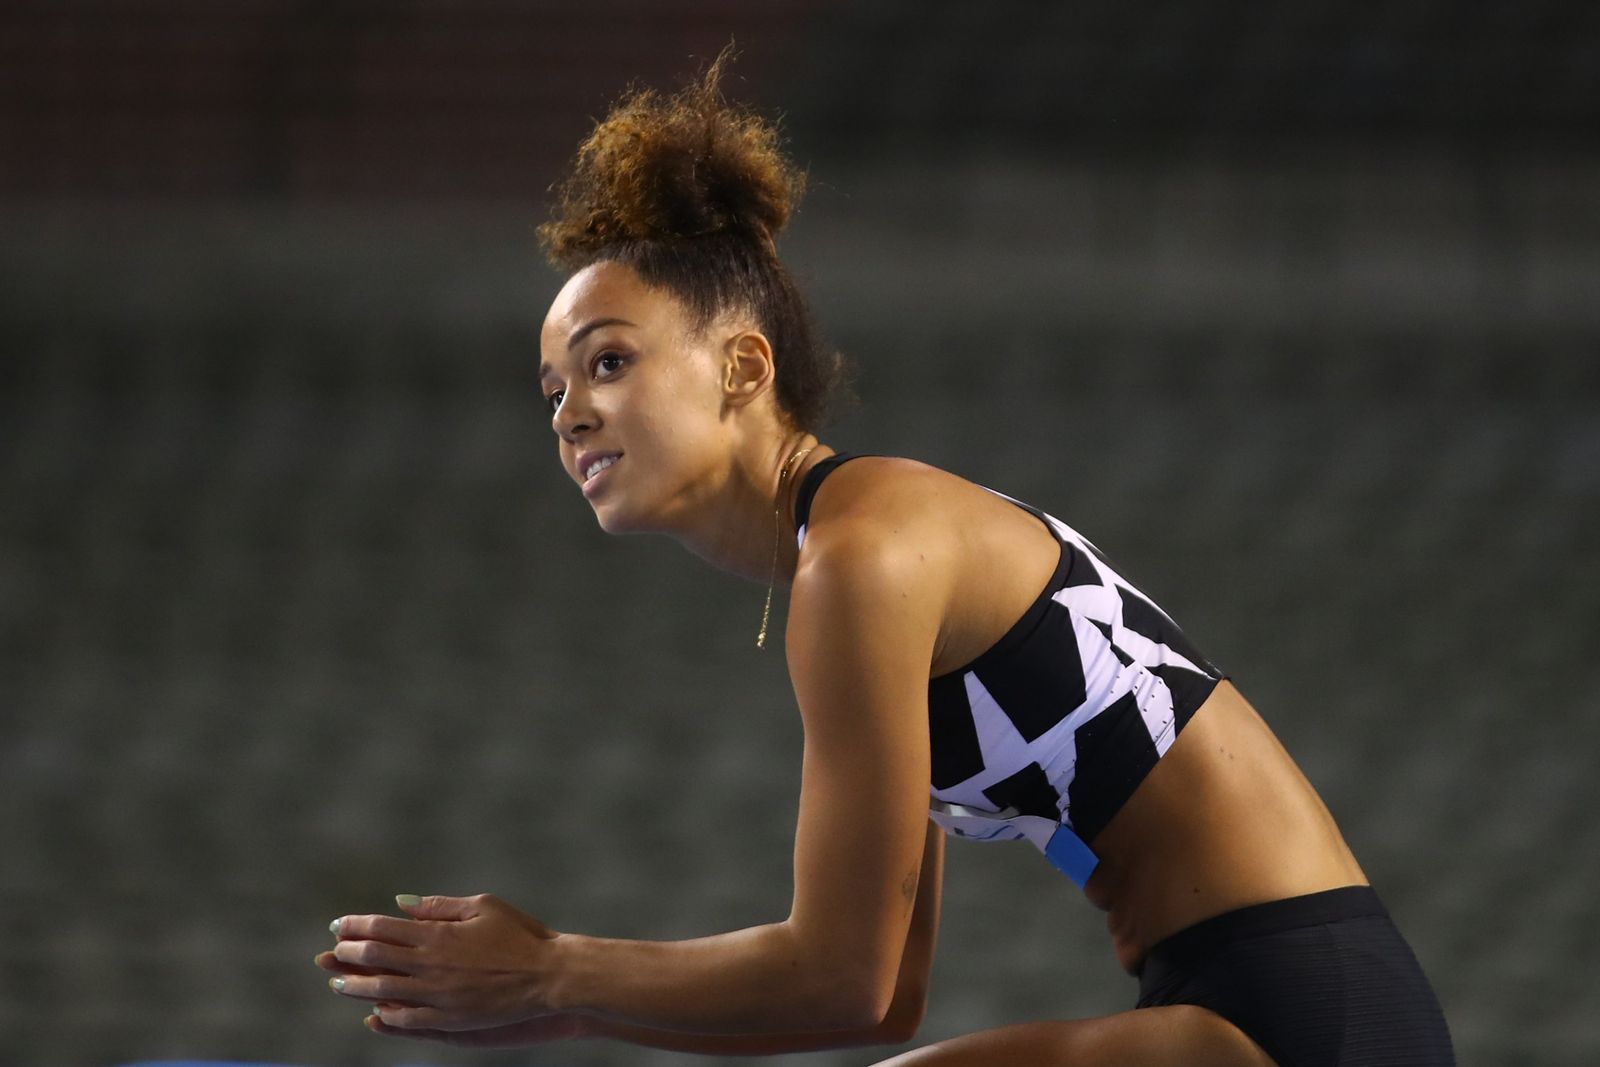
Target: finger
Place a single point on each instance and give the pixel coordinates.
(412, 1016)
(516, 1035)
(439, 907)
(378, 1026)
(378, 987)
(376, 955)
(458, 1038)
(329, 962)
(388, 928)
(455, 1038)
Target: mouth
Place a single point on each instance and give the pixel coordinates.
(595, 472)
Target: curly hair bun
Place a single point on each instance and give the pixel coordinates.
(660, 168)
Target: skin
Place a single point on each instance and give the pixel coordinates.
(895, 585)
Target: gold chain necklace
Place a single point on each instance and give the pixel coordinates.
(777, 519)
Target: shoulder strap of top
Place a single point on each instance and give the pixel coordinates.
(813, 479)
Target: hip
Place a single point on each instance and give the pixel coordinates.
(1320, 980)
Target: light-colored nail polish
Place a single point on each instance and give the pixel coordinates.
(337, 984)
(407, 900)
(333, 927)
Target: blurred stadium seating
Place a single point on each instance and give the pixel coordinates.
(1295, 311)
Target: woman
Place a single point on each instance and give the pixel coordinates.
(940, 635)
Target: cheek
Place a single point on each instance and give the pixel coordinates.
(683, 408)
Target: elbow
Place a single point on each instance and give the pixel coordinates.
(879, 1010)
(903, 1017)
(897, 1033)
(853, 998)
(842, 988)
(857, 1006)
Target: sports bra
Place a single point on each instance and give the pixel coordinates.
(1045, 735)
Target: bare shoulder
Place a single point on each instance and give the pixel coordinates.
(879, 517)
(887, 526)
(883, 487)
(891, 496)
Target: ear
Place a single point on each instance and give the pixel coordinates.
(747, 368)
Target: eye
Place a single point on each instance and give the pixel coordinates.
(609, 361)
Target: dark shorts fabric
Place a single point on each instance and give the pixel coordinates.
(1323, 980)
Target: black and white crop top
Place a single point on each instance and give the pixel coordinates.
(1044, 736)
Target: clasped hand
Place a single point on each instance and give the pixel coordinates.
(465, 970)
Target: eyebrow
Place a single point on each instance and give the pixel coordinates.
(578, 335)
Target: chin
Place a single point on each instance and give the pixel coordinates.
(612, 521)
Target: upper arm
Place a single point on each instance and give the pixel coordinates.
(916, 962)
(865, 613)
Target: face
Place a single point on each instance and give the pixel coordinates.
(625, 377)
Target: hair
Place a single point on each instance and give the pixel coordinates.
(691, 192)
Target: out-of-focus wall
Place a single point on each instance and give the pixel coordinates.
(1293, 312)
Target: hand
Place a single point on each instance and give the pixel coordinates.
(560, 1027)
(457, 964)
(536, 1031)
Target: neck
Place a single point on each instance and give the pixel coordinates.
(738, 532)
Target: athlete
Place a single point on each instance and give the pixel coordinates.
(964, 664)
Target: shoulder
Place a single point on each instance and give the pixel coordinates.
(883, 494)
(877, 515)
(879, 565)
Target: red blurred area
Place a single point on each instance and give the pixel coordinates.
(477, 100)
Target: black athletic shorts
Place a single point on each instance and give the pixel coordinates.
(1316, 981)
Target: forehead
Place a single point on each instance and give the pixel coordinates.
(605, 291)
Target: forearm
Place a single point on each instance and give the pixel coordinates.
(898, 1026)
(757, 981)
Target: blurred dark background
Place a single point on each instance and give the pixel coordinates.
(1294, 309)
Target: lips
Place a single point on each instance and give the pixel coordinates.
(586, 462)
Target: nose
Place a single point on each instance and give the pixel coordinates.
(573, 417)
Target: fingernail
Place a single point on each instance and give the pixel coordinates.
(337, 984)
(333, 927)
(408, 900)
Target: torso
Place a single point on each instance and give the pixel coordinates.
(1165, 861)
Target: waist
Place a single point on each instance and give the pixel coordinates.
(1224, 821)
(1193, 945)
